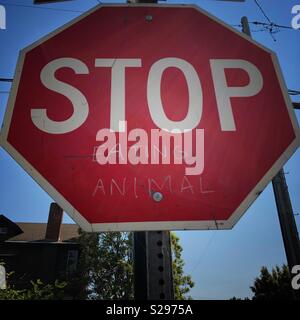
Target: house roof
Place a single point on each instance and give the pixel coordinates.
(8, 229)
(37, 232)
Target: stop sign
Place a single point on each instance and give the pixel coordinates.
(150, 118)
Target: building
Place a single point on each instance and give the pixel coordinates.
(39, 250)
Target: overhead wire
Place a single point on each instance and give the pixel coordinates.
(208, 244)
(6, 79)
(290, 91)
(270, 26)
(262, 11)
(40, 7)
(293, 92)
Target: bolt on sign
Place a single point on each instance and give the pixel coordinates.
(146, 117)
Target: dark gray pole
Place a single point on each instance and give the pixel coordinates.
(284, 207)
(245, 26)
(287, 220)
(153, 278)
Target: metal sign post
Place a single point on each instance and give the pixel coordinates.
(153, 278)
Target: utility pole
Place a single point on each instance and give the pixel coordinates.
(153, 277)
(284, 207)
(287, 220)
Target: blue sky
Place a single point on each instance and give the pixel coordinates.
(223, 264)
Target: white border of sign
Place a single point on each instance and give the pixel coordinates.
(161, 225)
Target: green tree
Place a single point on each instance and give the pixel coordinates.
(106, 267)
(37, 291)
(182, 283)
(80, 283)
(274, 285)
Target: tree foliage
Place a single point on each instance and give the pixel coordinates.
(182, 283)
(273, 285)
(106, 267)
(37, 291)
(105, 271)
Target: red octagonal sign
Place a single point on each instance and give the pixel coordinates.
(150, 118)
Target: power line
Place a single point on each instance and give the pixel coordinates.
(262, 11)
(200, 260)
(293, 92)
(290, 91)
(271, 25)
(6, 80)
(40, 7)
